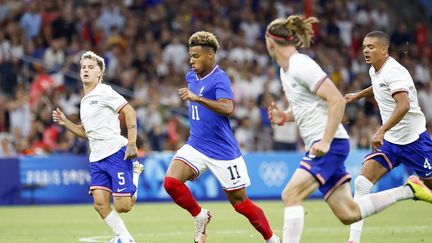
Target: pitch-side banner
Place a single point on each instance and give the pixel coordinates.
(65, 179)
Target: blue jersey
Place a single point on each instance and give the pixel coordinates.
(210, 132)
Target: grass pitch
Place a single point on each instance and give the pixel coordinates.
(406, 222)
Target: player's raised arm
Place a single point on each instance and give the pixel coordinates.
(351, 97)
(60, 118)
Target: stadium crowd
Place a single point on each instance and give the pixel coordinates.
(144, 43)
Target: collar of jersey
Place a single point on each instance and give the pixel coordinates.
(207, 74)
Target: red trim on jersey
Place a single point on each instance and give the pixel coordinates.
(101, 188)
(319, 83)
(320, 178)
(377, 72)
(378, 154)
(399, 90)
(121, 107)
(305, 164)
(336, 186)
(230, 189)
(126, 194)
(188, 164)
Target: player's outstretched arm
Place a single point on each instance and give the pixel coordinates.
(277, 116)
(60, 118)
(130, 117)
(221, 106)
(351, 97)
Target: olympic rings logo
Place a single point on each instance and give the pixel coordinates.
(273, 173)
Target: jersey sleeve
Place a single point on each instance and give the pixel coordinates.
(398, 80)
(223, 87)
(307, 72)
(113, 99)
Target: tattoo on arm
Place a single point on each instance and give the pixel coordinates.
(131, 126)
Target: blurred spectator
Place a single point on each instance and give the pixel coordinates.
(144, 44)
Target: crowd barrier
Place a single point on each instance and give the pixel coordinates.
(65, 179)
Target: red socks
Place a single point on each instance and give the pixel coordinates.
(256, 217)
(181, 195)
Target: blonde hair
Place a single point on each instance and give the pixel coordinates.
(295, 29)
(99, 61)
(204, 39)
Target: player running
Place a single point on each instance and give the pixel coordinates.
(111, 168)
(317, 107)
(211, 144)
(402, 138)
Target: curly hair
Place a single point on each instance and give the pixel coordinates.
(204, 39)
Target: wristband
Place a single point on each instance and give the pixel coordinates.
(284, 119)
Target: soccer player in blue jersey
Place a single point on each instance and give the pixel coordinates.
(402, 138)
(317, 107)
(211, 144)
(112, 170)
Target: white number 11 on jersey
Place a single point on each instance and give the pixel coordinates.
(195, 115)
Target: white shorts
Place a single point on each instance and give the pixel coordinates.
(231, 174)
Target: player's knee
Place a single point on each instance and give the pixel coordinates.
(348, 215)
(362, 185)
(123, 208)
(290, 198)
(100, 207)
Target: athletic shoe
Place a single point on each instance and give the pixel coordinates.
(421, 191)
(137, 167)
(200, 226)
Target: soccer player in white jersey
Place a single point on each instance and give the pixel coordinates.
(317, 107)
(211, 144)
(402, 138)
(112, 170)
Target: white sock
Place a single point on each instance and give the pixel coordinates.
(117, 225)
(362, 187)
(293, 224)
(273, 239)
(376, 202)
(201, 215)
(135, 179)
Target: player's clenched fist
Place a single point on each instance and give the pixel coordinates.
(275, 115)
(186, 94)
(351, 97)
(59, 117)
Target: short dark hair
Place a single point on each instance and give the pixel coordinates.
(382, 36)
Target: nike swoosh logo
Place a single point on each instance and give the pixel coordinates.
(235, 182)
(427, 174)
(120, 190)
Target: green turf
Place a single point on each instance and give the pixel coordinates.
(407, 222)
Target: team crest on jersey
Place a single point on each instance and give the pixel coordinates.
(201, 90)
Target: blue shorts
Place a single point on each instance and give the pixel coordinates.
(113, 174)
(329, 170)
(416, 155)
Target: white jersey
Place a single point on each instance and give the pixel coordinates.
(392, 78)
(300, 83)
(99, 115)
